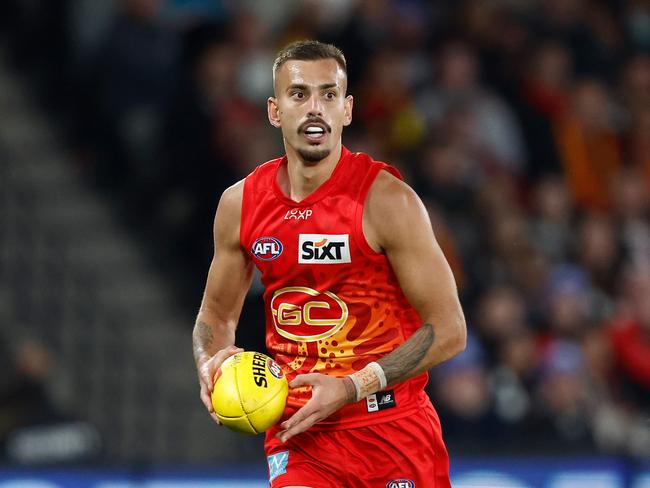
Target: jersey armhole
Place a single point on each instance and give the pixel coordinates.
(369, 179)
(244, 222)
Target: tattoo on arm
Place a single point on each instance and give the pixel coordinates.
(202, 339)
(402, 361)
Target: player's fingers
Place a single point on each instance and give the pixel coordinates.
(206, 398)
(226, 352)
(205, 379)
(304, 380)
(301, 414)
(215, 418)
(208, 372)
(300, 427)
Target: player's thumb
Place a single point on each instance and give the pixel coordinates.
(304, 380)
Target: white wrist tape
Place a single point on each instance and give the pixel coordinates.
(369, 380)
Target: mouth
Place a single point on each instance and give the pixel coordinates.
(315, 132)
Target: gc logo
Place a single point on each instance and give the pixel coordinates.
(304, 314)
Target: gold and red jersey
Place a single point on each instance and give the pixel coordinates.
(333, 304)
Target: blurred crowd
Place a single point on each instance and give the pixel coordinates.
(524, 125)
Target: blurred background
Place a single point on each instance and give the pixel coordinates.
(524, 125)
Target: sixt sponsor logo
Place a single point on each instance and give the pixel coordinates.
(323, 248)
(400, 483)
(266, 248)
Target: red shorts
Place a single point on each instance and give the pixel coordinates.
(403, 453)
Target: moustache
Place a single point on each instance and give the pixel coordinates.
(312, 121)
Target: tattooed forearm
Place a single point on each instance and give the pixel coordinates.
(202, 339)
(399, 364)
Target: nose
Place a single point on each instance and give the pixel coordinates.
(315, 107)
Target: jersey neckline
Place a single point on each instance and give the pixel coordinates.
(319, 192)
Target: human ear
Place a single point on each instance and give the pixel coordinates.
(273, 111)
(349, 101)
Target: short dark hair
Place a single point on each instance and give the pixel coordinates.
(309, 51)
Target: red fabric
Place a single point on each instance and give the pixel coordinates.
(362, 297)
(632, 351)
(409, 448)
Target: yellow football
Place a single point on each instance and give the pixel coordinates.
(250, 392)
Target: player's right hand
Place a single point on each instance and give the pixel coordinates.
(207, 372)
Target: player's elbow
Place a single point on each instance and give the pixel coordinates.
(457, 336)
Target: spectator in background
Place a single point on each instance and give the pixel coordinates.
(630, 335)
(632, 213)
(513, 380)
(461, 392)
(589, 146)
(493, 130)
(24, 398)
(552, 217)
(127, 90)
(568, 303)
(598, 251)
(572, 22)
(500, 316)
(193, 165)
(562, 400)
(635, 97)
(387, 108)
(543, 98)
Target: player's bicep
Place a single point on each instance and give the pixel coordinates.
(404, 231)
(230, 273)
(421, 267)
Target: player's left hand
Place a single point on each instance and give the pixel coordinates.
(328, 394)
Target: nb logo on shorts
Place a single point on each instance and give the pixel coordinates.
(400, 483)
(277, 464)
(387, 399)
(381, 401)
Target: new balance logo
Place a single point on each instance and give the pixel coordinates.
(380, 401)
(323, 248)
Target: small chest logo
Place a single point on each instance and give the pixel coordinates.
(266, 248)
(324, 248)
(298, 214)
(400, 483)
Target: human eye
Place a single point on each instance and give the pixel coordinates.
(297, 94)
(330, 95)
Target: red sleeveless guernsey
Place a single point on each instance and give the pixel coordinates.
(332, 303)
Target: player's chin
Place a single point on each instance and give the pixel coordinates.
(314, 153)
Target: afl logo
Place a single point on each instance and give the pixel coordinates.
(266, 248)
(400, 483)
(304, 314)
(274, 368)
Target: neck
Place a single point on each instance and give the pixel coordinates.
(303, 177)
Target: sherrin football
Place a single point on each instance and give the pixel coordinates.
(250, 392)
